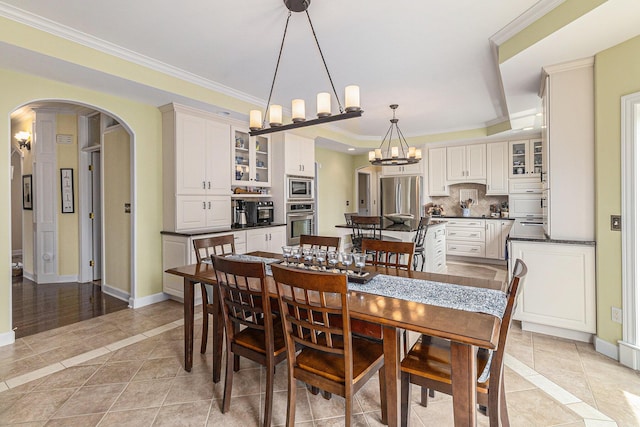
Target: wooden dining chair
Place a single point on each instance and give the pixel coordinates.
(428, 364)
(419, 240)
(204, 248)
(386, 253)
(315, 316)
(252, 331)
(365, 227)
(327, 243)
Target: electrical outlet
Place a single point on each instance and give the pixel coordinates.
(616, 223)
(616, 314)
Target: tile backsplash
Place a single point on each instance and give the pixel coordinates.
(451, 203)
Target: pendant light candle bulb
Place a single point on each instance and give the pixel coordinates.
(297, 111)
(372, 155)
(418, 154)
(352, 98)
(324, 104)
(378, 153)
(255, 119)
(394, 152)
(412, 151)
(275, 115)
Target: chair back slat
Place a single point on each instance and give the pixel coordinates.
(327, 243)
(216, 245)
(244, 296)
(365, 227)
(389, 254)
(316, 304)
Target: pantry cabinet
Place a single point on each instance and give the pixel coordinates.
(497, 168)
(467, 163)
(525, 158)
(251, 159)
(196, 169)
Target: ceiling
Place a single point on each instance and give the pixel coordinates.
(435, 59)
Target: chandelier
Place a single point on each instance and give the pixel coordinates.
(394, 155)
(257, 124)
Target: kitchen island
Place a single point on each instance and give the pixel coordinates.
(559, 294)
(435, 240)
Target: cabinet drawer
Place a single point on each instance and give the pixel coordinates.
(525, 185)
(465, 223)
(466, 234)
(465, 249)
(437, 264)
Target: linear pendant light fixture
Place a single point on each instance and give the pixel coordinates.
(394, 155)
(257, 124)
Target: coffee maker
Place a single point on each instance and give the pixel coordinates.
(239, 213)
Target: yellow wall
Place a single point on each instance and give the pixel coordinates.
(67, 157)
(335, 187)
(145, 122)
(616, 73)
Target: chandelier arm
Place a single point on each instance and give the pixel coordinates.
(402, 140)
(273, 82)
(388, 143)
(324, 62)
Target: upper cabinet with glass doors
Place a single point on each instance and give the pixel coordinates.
(526, 158)
(251, 159)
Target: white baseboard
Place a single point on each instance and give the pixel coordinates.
(557, 332)
(7, 338)
(148, 300)
(51, 278)
(629, 355)
(606, 348)
(115, 292)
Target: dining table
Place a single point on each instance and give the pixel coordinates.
(467, 330)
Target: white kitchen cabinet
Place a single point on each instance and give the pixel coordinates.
(559, 294)
(466, 237)
(497, 168)
(437, 172)
(435, 248)
(497, 232)
(413, 169)
(525, 158)
(251, 159)
(525, 205)
(295, 154)
(267, 239)
(467, 163)
(196, 169)
(531, 185)
(177, 250)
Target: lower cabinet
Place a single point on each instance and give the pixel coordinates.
(177, 250)
(201, 212)
(466, 237)
(496, 238)
(559, 293)
(435, 247)
(267, 239)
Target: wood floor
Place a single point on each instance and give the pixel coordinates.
(38, 308)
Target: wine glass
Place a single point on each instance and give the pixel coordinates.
(321, 256)
(296, 253)
(333, 259)
(308, 255)
(346, 259)
(286, 253)
(360, 262)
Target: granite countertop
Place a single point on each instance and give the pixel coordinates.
(409, 226)
(220, 230)
(524, 230)
(471, 217)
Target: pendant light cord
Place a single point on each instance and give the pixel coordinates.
(273, 82)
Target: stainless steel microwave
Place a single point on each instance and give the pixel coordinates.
(299, 188)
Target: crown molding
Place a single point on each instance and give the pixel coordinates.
(569, 66)
(112, 49)
(530, 16)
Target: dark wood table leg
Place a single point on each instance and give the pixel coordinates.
(463, 381)
(188, 324)
(391, 343)
(218, 327)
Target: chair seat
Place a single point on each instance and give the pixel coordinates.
(253, 339)
(365, 355)
(433, 361)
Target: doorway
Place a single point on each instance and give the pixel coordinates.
(364, 194)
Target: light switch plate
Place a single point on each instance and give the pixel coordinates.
(616, 223)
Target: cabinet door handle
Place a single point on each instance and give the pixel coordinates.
(209, 205)
(209, 185)
(204, 205)
(204, 185)
(269, 236)
(266, 237)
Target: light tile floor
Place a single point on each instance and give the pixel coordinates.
(125, 368)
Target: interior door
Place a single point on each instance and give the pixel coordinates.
(96, 215)
(364, 200)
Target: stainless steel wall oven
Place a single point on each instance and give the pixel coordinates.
(300, 220)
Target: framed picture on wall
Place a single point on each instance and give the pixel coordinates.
(66, 190)
(27, 192)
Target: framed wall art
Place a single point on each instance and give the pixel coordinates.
(66, 190)
(27, 192)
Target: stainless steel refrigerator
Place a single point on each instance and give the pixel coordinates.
(401, 194)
